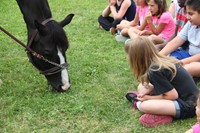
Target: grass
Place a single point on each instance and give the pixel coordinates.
(99, 72)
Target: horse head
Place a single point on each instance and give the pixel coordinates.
(51, 42)
(47, 38)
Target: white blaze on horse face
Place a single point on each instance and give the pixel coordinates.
(64, 73)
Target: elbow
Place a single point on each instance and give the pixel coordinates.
(172, 95)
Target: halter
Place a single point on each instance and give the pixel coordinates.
(57, 67)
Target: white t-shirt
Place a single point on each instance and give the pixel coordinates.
(192, 34)
(177, 7)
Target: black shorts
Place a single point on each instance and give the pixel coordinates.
(187, 110)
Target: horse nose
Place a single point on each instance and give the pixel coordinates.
(62, 88)
(65, 86)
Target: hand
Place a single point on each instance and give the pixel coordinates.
(143, 32)
(143, 98)
(120, 27)
(123, 24)
(148, 17)
(112, 2)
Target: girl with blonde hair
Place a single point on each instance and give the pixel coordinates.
(166, 90)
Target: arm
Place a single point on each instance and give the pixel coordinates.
(161, 46)
(106, 12)
(155, 30)
(124, 7)
(172, 8)
(136, 20)
(170, 95)
(172, 45)
(143, 25)
(145, 90)
(128, 24)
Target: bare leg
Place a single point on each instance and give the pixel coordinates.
(159, 107)
(124, 32)
(133, 32)
(193, 68)
(123, 24)
(156, 39)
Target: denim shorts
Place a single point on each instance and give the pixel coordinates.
(180, 54)
(184, 110)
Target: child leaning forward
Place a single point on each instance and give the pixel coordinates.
(166, 89)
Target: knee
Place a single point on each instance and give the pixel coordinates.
(187, 67)
(151, 37)
(130, 30)
(124, 31)
(145, 107)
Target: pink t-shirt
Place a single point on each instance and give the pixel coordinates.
(196, 128)
(166, 18)
(142, 12)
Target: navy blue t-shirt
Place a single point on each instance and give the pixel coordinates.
(182, 82)
(130, 13)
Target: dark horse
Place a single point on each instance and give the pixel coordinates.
(47, 38)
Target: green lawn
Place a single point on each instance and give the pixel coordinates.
(99, 72)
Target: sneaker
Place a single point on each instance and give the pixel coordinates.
(132, 97)
(127, 40)
(150, 120)
(121, 38)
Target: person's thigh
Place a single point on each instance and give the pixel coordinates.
(160, 107)
(156, 39)
(193, 68)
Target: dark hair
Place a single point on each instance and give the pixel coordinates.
(162, 6)
(194, 4)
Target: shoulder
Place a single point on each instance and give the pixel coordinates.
(159, 72)
(189, 26)
(138, 8)
(166, 15)
(126, 2)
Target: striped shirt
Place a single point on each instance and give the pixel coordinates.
(181, 19)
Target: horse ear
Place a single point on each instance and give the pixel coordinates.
(67, 20)
(41, 28)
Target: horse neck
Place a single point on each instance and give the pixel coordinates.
(34, 10)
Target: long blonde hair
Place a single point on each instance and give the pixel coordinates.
(142, 55)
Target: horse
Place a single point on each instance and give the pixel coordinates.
(49, 42)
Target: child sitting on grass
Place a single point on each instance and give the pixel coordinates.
(196, 128)
(190, 33)
(142, 9)
(166, 91)
(160, 22)
(190, 58)
(120, 9)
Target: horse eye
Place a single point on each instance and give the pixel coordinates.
(46, 53)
